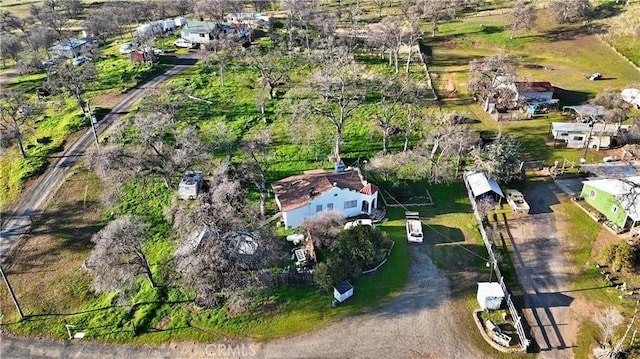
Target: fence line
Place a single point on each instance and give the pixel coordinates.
(517, 318)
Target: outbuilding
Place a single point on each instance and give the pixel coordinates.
(482, 188)
(490, 295)
(343, 291)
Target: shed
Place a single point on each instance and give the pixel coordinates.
(587, 112)
(490, 295)
(72, 48)
(343, 291)
(190, 185)
(632, 96)
(482, 186)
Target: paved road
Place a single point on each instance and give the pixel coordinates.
(16, 223)
(543, 269)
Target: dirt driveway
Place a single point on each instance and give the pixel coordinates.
(541, 248)
(416, 324)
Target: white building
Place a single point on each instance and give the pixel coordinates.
(580, 135)
(302, 196)
(190, 185)
(343, 291)
(490, 295)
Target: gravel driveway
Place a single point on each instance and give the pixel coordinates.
(416, 324)
(540, 257)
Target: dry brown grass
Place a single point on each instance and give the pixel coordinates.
(45, 269)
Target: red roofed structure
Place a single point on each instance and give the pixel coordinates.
(302, 196)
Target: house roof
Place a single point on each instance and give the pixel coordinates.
(526, 86)
(480, 184)
(627, 191)
(595, 129)
(199, 27)
(296, 191)
(343, 287)
(587, 110)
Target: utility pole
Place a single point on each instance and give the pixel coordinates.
(13, 296)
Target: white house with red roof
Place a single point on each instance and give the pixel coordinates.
(302, 196)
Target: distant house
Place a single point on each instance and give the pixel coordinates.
(593, 135)
(302, 196)
(72, 48)
(533, 92)
(616, 199)
(481, 187)
(190, 185)
(200, 32)
(252, 19)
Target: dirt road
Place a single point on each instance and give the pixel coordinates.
(540, 256)
(16, 223)
(416, 324)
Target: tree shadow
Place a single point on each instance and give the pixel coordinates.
(570, 32)
(606, 10)
(570, 97)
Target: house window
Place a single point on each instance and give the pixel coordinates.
(564, 134)
(578, 138)
(318, 208)
(350, 204)
(592, 194)
(329, 206)
(201, 35)
(614, 208)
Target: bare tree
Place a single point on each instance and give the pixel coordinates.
(333, 94)
(16, 112)
(393, 92)
(436, 10)
(570, 11)
(217, 9)
(274, 67)
(388, 34)
(499, 159)
(119, 257)
(608, 320)
(412, 31)
(223, 52)
(491, 80)
(617, 107)
(10, 47)
(523, 16)
(324, 228)
(254, 168)
(154, 145)
(223, 252)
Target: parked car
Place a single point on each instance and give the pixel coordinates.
(79, 61)
(186, 44)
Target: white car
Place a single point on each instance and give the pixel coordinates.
(126, 48)
(186, 44)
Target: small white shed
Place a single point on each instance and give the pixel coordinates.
(343, 291)
(490, 295)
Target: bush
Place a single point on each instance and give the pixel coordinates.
(620, 256)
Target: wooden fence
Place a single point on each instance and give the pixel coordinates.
(517, 318)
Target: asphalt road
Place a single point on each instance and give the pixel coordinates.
(541, 251)
(15, 224)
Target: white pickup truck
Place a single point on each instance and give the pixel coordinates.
(414, 227)
(516, 201)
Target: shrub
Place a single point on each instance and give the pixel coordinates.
(619, 256)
